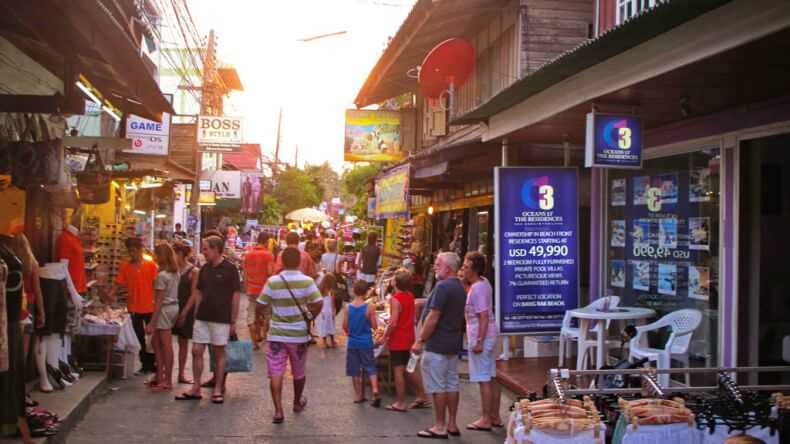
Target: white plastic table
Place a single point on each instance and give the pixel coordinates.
(587, 314)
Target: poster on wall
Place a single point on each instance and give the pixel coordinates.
(392, 193)
(663, 240)
(251, 193)
(536, 248)
(373, 136)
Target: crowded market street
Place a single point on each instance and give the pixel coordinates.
(128, 409)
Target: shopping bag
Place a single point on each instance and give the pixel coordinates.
(238, 357)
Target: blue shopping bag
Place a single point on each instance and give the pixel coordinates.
(238, 357)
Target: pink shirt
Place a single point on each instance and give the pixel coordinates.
(479, 300)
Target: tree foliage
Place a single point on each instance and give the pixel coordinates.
(356, 184)
(271, 211)
(325, 179)
(295, 189)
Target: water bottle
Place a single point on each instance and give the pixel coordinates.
(413, 360)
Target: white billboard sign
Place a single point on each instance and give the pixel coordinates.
(224, 184)
(148, 136)
(220, 133)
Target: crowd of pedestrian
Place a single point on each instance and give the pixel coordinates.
(301, 286)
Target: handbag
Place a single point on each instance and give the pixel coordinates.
(93, 183)
(305, 315)
(238, 356)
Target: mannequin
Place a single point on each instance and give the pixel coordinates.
(55, 287)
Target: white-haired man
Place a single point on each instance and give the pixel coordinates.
(441, 336)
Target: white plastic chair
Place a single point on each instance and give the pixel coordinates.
(568, 333)
(682, 324)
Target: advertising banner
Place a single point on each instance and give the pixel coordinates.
(224, 184)
(251, 193)
(220, 133)
(373, 136)
(613, 141)
(536, 247)
(392, 193)
(148, 136)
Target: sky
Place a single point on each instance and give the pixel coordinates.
(312, 82)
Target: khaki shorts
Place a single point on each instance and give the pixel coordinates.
(213, 333)
(167, 317)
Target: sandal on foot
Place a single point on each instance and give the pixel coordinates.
(376, 402)
(301, 405)
(420, 405)
(477, 428)
(188, 397)
(392, 408)
(217, 399)
(278, 420)
(454, 432)
(184, 381)
(360, 401)
(497, 426)
(430, 434)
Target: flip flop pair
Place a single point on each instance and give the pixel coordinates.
(188, 397)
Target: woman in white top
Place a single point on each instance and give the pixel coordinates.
(330, 259)
(165, 315)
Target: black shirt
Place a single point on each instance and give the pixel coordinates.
(449, 297)
(217, 285)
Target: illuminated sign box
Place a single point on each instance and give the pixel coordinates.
(613, 141)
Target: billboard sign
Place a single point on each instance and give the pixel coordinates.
(224, 184)
(373, 136)
(220, 133)
(392, 193)
(148, 136)
(536, 217)
(613, 141)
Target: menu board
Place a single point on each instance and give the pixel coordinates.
(536, 248)
(663, 233)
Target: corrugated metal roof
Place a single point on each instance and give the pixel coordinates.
(658, 20)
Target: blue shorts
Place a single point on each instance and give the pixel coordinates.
(358, 359)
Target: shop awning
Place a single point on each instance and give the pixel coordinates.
(429, 23)
(434, 170)
(87, 38)
(165, 168)
(654, 22)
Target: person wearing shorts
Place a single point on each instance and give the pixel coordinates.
(481, 330)
(441, 337)
(258, 266)
(292, 296)
(217, 298)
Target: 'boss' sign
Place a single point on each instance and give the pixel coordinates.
(219, 130)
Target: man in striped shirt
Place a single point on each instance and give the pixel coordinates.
(292, 296)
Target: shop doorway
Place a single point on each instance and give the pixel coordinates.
(764, 268)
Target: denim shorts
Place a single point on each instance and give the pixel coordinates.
(440, 372)
(482, 366)
(358, 359)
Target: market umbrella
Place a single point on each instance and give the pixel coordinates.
(307, 215)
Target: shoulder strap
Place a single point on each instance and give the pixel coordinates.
(304, 313)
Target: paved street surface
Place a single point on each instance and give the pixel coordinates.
(133, 414)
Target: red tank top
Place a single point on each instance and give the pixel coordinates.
(402, 338)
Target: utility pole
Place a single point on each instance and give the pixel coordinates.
(277, 143)
(296, 157)
(210, 104)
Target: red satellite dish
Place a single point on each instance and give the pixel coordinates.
(449, 62)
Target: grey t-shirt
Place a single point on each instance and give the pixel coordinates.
(167, 281)
(449, 297)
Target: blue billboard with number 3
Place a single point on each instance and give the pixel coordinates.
(613, 141)
(536, 248)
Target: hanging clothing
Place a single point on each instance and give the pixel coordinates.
(3, 318)
(12, 382)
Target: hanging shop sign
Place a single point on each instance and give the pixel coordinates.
(149, 136)
(613, 141)
(536, 248)
(220, 133)
(373, 136)
(392, 193)
(224, 184)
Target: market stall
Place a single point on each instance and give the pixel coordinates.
(629, 406)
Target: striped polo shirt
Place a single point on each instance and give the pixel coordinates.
(287, 323)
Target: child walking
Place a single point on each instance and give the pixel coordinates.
(326, 320)
(358, 323)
